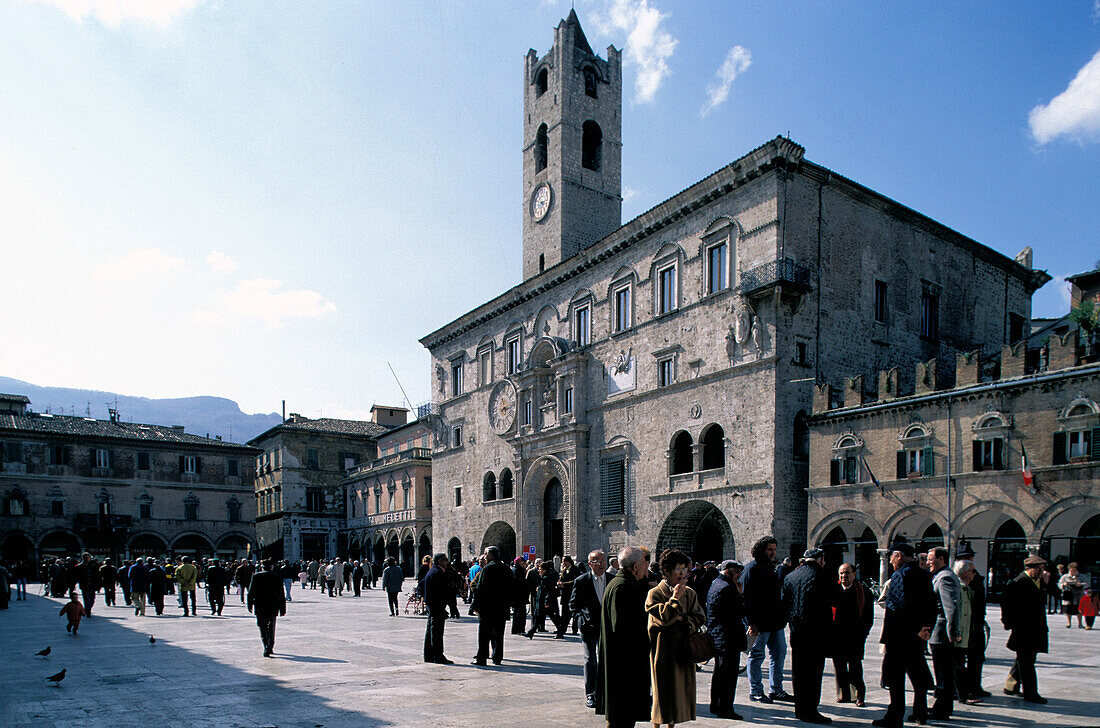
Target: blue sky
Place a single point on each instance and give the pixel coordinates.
(267, 199)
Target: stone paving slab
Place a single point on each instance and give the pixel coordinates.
(344, 662)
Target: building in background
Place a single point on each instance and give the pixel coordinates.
(301, 504)
(119, 489)
(390, 497)
(650, 383)
(1005, 458)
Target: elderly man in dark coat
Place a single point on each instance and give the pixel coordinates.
(138, 576)
(1023, 613)
(726, 627)
(910, 614)
(267, 600)
(217, 583)
(491, 600)
(855, 613)
(624, 644)
(158, 584)
(809, 595)
(585, 602)
(439, 593)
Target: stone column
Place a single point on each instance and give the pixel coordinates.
(884, 567)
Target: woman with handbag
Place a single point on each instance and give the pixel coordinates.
(674, 613)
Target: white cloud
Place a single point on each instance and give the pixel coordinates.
(737, 62)
(648, 46)
(1074, 113)
(220, 262)
(139, 264)
(629, 193)
(113, 12)
(261, 299)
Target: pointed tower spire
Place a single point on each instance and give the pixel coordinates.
(579, 40)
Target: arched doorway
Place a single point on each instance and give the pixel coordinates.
(835, 546)
(503, 536)
(930, 539)
(408, 555)
(1007, 551)
(393, 548)
(60, 543)
(233, 547)
(192, 545)
(424, 548)
(17, 547)
(1086, 549)
(699, 529)
(854, 542)
(148, 544)
(454, 550)
(553, 515)
(379, 550)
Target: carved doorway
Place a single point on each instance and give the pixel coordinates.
(553, 514)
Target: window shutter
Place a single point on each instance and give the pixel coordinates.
(108, 452)
(1095, 444)
(198, 464)
(91, 458)
(65, 455)
(834, 472)
(998, 454)
(182, 464)
(612, 486)
(926, 465)
(901, 464)
(1059, 449)
(977, 456)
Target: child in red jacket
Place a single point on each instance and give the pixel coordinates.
(74, 610)
(1088, 607)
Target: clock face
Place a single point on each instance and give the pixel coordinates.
(540, 202)
(502, 407)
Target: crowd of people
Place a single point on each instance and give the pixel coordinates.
(645, 626)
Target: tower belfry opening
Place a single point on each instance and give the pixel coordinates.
(572, 182)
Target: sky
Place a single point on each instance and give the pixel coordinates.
(275, 199)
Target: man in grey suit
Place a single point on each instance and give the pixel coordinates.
(945, 633)
(585, 602)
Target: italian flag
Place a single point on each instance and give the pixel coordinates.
(1025, 468)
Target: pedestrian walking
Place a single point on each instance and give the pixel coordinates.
(809, 596)
(520, 595)
(439, 593)
(1072, 588)
(187, 577)
(945, 633)
(1023, 615)
(585, 602)
(217, 582)
(726, 627)
(392, 577)
(74, 610)
(490, 601)
(267, 600)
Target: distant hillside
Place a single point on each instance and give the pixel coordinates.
(198, 415)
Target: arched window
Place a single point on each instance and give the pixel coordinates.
(590, 82)
(591, 146)
(541, 146)
(714, 448)
(506, 483)
(681, 453)
(489, 487)
(801, 444)
(542, 82)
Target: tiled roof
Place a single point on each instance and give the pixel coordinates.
(34, 423)
(330, 426)
(14, 398)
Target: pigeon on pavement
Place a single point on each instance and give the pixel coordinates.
(56, 679)
(152, 640)
(42, 653)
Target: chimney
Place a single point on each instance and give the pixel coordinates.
(112, 413)
(926, 376)
(888, 382)
(1014, 360)
(966, 368)
(822, 394)
(853, 391)
(1062, 353)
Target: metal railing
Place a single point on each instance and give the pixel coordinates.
(775, 272)
(416, 453)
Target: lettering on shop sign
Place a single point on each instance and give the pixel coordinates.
(391, 517)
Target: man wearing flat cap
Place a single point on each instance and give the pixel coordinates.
(726, 627)
(910, 615)
(809, 596)
(1023, 612)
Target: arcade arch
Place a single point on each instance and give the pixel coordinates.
(699, 529)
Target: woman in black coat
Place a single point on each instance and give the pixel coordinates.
(546, 601)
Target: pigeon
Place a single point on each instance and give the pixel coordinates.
(56, 679)
(42, 653)
(152, 640)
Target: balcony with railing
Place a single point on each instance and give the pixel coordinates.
(782, 272)
(416, 453)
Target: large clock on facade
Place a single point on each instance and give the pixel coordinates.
(502, 407)
(540, 202)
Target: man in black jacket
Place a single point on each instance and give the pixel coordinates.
(855, 613)
(764, 613)
(217, 581)
(584, 603)
(809, 596)
(1023, 613)
(910, 615)
(725, 625)
(491, 599)
(267, 600)
(438, 594)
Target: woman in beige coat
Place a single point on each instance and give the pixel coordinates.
(674, 611)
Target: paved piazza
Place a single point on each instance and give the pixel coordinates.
(344, 662)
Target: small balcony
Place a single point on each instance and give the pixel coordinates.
(783, 272)
(416, 453)
(101, 522)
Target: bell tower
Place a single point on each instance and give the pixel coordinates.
(572, 148)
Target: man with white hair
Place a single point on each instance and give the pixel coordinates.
(964, 681)
(585, 602)
(624, 644)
